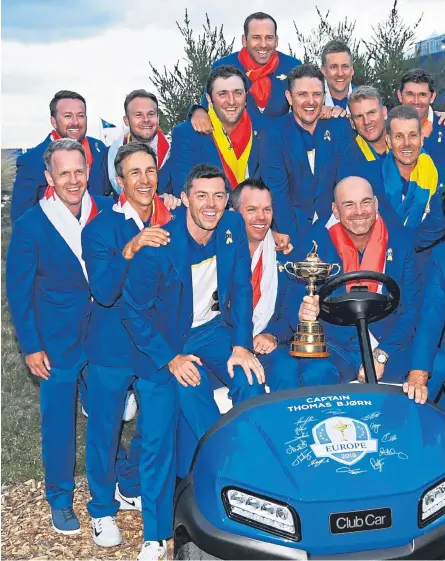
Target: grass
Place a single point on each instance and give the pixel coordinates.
(20, 435)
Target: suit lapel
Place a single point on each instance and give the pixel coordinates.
(59, 247)
(322, 154)
(179, 251)
(224, 251)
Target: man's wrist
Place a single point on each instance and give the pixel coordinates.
(380, 356)
(418, 377)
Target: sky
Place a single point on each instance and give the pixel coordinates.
(102, 48)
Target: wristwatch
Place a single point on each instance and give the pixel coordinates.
(380, 356)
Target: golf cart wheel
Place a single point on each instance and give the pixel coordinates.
(190, 550)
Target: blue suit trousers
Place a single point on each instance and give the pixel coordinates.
(211, 342)
(149, 469)
(58, 398)
(281, 369)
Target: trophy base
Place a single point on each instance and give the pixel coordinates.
(309, 341)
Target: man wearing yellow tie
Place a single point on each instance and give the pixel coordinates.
(233, 145)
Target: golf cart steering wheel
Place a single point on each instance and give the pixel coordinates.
(359, 303)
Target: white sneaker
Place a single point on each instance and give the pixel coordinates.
(152, 551)
(105, 531)
(131, 407)
(128, 503)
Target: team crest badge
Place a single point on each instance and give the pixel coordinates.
(343, 440)
(229, 237)
(280, 267)
(281, 77)
(327, 136)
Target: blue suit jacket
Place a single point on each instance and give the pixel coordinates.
(284, 167)
(432, 313)
(435, 143)
(397, 330)
(284, 321)
(277, 104)
(157, 306)
(48, 295)
(30, 182)
(103, 240)
(190, 148)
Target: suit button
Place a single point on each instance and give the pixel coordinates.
(88, 315)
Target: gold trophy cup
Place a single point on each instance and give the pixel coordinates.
(309, 341)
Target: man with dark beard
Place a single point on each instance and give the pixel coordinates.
(233, 145)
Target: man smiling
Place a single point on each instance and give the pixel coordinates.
(359, 239)
(109, 244)
(50, 302)
(69, 120)
(337, 67)
(264, 67)
(233, 144)
(412, 182)
(188, 304)
(417, 90)
(142, 118)
(302, 156)
(369, 117)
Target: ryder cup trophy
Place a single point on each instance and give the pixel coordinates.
(309, 341)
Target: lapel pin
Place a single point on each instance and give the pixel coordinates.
(229, 237)
(280, 267)
(327, 136)
(96, 144)
(439, 137)
(389, 254)
(281, 77)
(255, 133)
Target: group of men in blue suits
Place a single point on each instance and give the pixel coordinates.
(163, 289)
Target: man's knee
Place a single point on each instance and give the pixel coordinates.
(240, 387)
(317, 372)
(281, 369)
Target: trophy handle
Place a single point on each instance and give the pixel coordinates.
(331, 274)
(287, 270)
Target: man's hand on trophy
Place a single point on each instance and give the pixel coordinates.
(248, 362)
(309, 309)
(264, 343)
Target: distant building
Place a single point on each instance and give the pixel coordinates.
(431, 45)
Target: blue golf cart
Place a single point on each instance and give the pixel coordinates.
(352, 471)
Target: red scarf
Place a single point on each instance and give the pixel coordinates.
(259, 76)
(163, 146)
(85, 145)
(239, 139)
(374, 256)
(159, 216)
(50, 192)
(256, 281)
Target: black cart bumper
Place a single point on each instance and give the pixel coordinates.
(225, 545)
